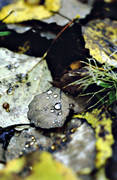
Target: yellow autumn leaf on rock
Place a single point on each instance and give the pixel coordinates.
(40, 166)
(103, 132)
(101, 40)
(24, 11)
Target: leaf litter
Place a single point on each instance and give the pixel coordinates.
(70, 63)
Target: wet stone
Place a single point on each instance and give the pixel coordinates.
(51, 109)
(32, 139)
(73, 144)
(80, 151)
(25, 142)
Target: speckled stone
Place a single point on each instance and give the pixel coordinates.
(51, 109)
(73, 144)
(80, 152)
(24, 142)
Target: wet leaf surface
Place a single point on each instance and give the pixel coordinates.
(52, 108)
(19, 78)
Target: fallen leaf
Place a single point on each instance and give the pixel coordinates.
(54, 170)
(39, 166)
(68, 48)
(24, 11)
(103, 132)
(22, 77)
(100, 38)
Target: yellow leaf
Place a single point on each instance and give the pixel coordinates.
(41, 166)
(100, 38)
(103, 132)
(24, 11)
(52, 5)
(48, 169)
(14, 166)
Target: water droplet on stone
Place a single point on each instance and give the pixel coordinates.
(47, 97)
(59, 114)
(10, 91)
(57, 106)
(35, 79)
(16, 65)
(71, 105)
(52, 110)
(55, 95)
(49, 92)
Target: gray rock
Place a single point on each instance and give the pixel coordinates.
(73, 144)
(25, 142)
(80, 152)
(51, 109)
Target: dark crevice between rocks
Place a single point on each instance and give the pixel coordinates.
(69, 47)
(5, 136)
(36, 45)
(101, 10)
(35, 41)
(7, 133)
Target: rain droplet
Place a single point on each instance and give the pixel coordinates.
(57, 106)
(59, 114)
(16, 65)
(71, 105)
(55, 95)
(49, 92)
(10, 90)
(52, 110)
(35, 79)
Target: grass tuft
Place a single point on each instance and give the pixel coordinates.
(103, 78)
